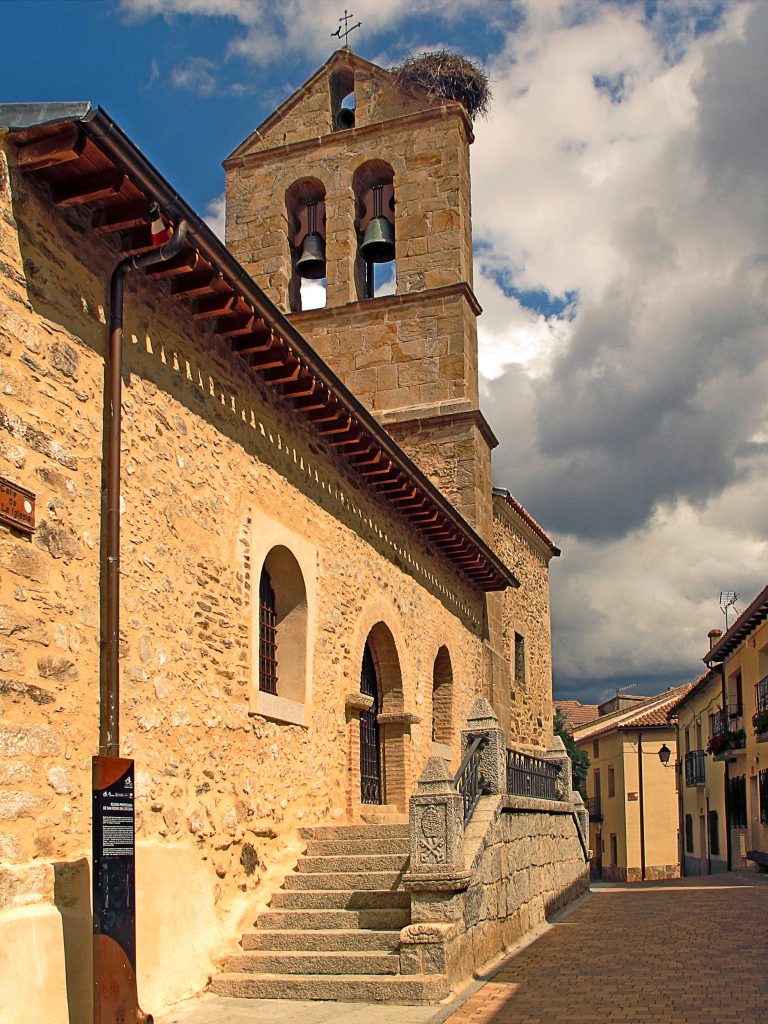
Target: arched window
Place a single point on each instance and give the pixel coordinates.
(282, 635)
(267, 635)
(342, 88)
(375, 266)
(442, 698)
(305, 205)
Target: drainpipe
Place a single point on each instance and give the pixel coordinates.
(642, 804)
(109, 708)
(680, 770)
(726, 774)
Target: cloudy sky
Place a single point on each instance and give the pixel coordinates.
(620, 203)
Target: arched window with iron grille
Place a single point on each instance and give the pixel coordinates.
(267, 635)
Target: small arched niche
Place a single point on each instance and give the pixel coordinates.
(373, 186)
(342, 92)
(442, 699)
(305, 206)
(282, 635)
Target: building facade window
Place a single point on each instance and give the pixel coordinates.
(595, 748)
(763, 790)
(519, 658)
(737, 801)
(714, 834)
(614, 850)
(611, 782)
(689, 833)
(267, 635)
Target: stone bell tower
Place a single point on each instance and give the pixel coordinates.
(353, 169)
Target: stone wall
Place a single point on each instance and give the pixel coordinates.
(525, 862)
(212, 464)
(526, 610)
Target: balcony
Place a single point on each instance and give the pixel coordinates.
(726, 732)
(695, 761)
(595, 808)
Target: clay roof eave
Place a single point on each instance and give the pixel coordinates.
(446, 528)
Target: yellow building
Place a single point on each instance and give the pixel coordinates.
(631, 790)
(702, 827)
(739, 729)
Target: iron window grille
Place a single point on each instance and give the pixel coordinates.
(688, 833)
(714, 834)
(695, 762)
(267, 635)
(763, 788)
(761, 694)
(728, 719)
(519, 658)
(737, 801)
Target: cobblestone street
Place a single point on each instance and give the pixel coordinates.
(689, 951)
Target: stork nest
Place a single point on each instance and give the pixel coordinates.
(448, 76)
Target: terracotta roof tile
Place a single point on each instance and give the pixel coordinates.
(654, 713)
(576, 713)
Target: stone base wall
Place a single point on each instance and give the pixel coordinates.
(527, 863)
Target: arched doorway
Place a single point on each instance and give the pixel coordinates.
(383, 727)
(371, 789)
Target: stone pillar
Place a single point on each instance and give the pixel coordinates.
(436, 825)
(556, 753)
(482, 721)
(582, 814)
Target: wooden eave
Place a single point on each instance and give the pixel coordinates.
(88, 162)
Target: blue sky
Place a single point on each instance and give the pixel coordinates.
(620, 213)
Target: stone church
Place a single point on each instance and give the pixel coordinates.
(321, 593)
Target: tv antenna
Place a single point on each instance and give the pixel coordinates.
(617, 690)
(347, 28)
(728, 599)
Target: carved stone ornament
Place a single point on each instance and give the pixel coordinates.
(434, 828)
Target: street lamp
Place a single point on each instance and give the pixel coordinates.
(664, 755)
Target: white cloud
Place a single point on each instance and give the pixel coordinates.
(215, 215)
(196, 74)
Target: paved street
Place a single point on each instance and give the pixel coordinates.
(689, 951)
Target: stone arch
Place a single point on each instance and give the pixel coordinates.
(442, 698)
(342, 95)
(374, 190)
(290, 623)
(305, 208)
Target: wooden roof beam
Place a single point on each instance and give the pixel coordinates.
(191, 285)
(184, 263)
(88, 188)
(121, 218)
(213, 306)
(56, 149)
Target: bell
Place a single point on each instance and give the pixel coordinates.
(345, 118)
(379, 241)
(311, 263)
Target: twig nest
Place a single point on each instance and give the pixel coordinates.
(448, 76)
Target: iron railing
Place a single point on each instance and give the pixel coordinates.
(761, 694)
(728, 719)
(695, 761)
(531, 776)
(595, 808)
(468, 779)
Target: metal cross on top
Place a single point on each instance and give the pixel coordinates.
(347, 28)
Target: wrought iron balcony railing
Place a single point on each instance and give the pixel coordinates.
(531, 776)
(728, 719)
(595, 808)
(695, 761)
(761, 694)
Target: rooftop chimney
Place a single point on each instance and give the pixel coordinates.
(714, 635)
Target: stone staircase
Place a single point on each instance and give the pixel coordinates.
(333, 931)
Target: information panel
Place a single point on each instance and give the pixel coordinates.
(114, 888)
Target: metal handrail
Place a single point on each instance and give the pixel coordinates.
(531, 776)
(468, 780)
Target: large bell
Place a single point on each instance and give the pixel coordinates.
(345, 118)
(311, 263)
(378, 242)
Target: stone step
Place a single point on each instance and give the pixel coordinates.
(388, 862)
(304, 962)
(357, 847)
(415, 989)
(339, 899)
(378, 919)
(343, 880)
(355, 832)
(344, 939)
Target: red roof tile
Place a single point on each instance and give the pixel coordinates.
(576, 713)
(653, 713)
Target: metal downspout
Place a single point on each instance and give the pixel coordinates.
(109, 706)
(642, 804)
